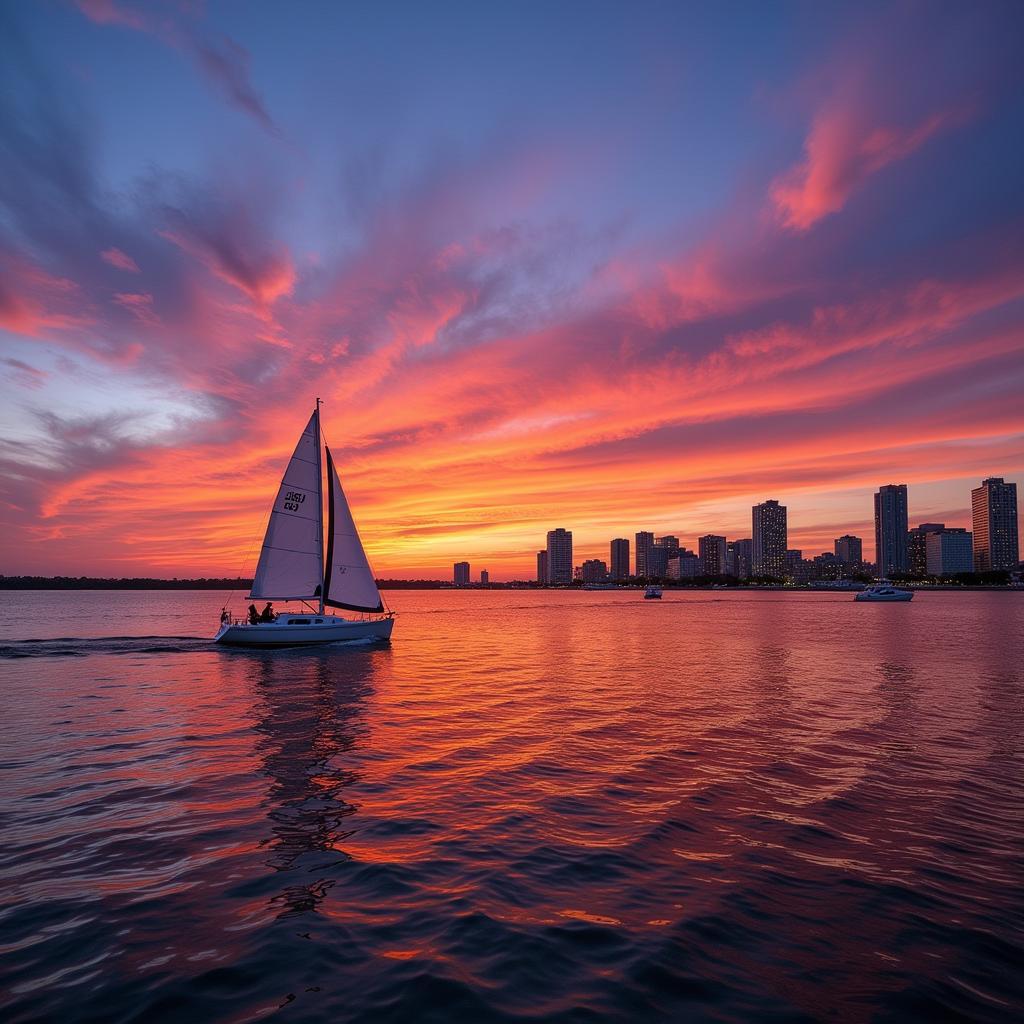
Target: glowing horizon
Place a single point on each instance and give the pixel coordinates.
(595, 270)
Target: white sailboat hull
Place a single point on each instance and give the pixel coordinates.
(304, 630)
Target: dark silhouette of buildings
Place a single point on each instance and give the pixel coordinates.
(620, 558)
(891, 529)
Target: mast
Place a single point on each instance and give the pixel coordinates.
(320, 500)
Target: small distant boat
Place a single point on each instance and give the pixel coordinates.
(292, 566)
(652, 594)
(600, 586)
(884, 592)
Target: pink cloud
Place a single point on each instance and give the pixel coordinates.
(843, 149)
(139, 305)
(119, 259)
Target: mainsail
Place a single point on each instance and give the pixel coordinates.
(291, 562)
(349, 583)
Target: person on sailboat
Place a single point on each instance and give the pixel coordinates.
(267, 615)
(254, 616)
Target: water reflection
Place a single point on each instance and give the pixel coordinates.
(308, 709)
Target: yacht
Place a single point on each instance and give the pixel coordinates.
(293, 567)
(884, 591)
(652, 594)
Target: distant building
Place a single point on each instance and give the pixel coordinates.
(657, 560)
(917, 547)
(461, 574)
(670, 544)
(743, 558)
(769, 541)
(994, 515)
(485, 577)
(593, 570)
(620, 559)
(828, 566)
(658, 555)
(949, 551)
(849, 549)
(891, 529)
(644, 543)
(559, 556)
(683, 566)
(712, 550)
(542, 567)
(795, 565)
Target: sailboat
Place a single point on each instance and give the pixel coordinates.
(292, 566)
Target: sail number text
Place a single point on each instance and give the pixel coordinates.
(293, 499)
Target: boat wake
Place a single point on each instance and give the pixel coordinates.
(83, 647)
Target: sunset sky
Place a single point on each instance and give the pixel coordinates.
(604, 266)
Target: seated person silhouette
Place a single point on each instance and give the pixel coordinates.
(254, 616)
(267, 615)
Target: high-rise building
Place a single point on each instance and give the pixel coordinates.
(542, 567)
(485, 577)
(644, 543)
(559, 556)
(657, 560)
(994, 514)
(849, 549)
(683, 566)
(795, 564)
(620, 558)
(461, 573)
(891, 529)
(917, 547)
(769, 541)
(948, 551)
(670, 544)
(712, 550)
(743, 556)
(593, 570)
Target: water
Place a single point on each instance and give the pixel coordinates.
(543, 806)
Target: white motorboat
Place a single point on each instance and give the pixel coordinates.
(884, 592)
(652, 594)
(292, 566)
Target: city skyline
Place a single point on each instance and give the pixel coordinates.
(893, 511)
(634, 279)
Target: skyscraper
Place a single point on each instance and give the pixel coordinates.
(542, 567)
(593, 570)
(485, 577)
(849, 549)
(917, 547)
(994, 514)
(461, 573)
(743, 557)
(891, 529)
(559, 556)
(712, 554)
(644, 543)
(770, 538)
(620, 558)
(948, 551)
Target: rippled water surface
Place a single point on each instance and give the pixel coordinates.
(544, 806)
